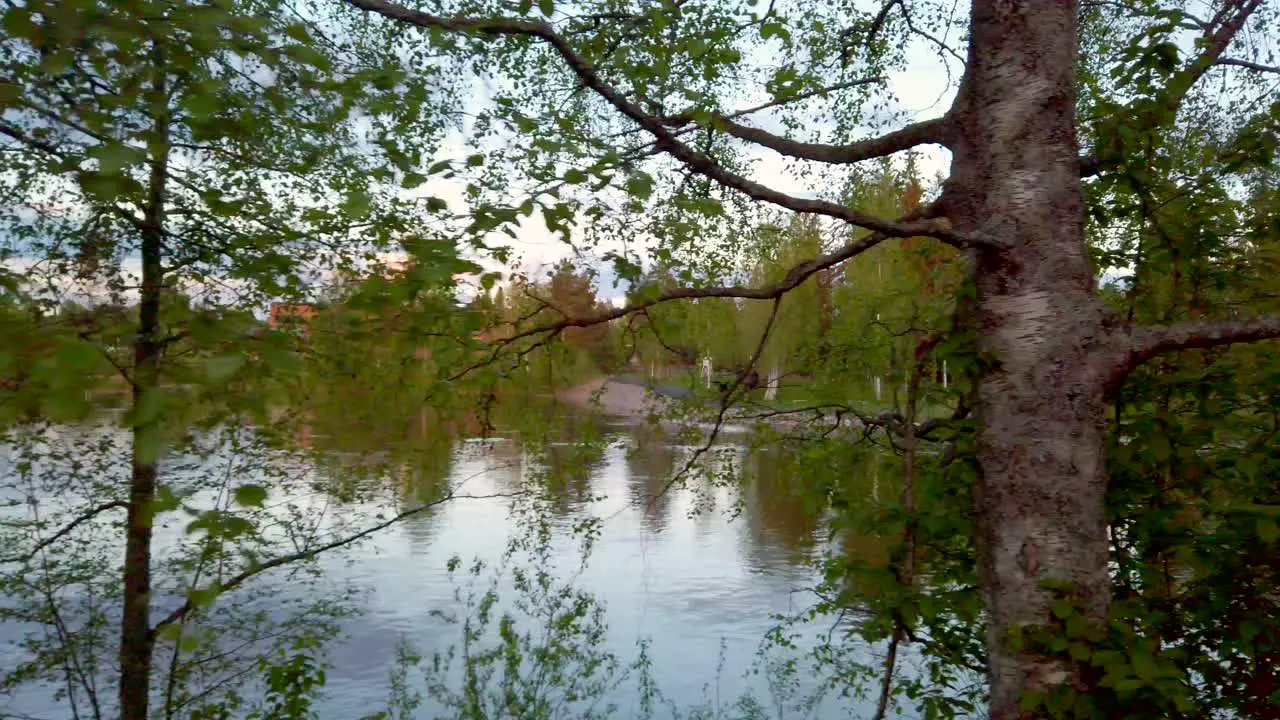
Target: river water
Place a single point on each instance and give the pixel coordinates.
(697, 571)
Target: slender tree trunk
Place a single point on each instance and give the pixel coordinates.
(1040, 399)
(137, 642)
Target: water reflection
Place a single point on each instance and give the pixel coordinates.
(651, 463)
(781, 512)
(677, 566)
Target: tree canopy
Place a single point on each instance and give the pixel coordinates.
(1075, 324)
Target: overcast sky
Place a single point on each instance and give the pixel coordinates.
(922, 90)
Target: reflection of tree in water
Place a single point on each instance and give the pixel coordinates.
(564, 451)
(413, 459)
(424, 470)
(866, 543)
(782, 512)
(650, 464)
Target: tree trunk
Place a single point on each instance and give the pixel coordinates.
(137, 641)
(1040, 326)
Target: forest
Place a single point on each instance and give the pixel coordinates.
(729, 359)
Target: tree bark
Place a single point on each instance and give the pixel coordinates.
(137, 641)
(1041, 329)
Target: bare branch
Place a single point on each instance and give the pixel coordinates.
(794, 277)
(1218, 36)
(1248, 65)
(667, 141)
(16, 133)
(83, 518)
(799, 97)
(245, 575)
(1145, 343)
(727, 398)
(921, 133)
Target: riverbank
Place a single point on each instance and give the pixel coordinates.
(614, 396)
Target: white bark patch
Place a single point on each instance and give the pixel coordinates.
(1025, 189)
(1020, 107)
(1023, 326)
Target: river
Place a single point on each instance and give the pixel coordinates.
(698, 571)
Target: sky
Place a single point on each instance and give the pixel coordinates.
(922, 89)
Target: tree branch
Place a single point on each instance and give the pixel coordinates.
(1218, 35)
(1248, 65)
(83, 518)
(798, 97)
(237, 580)
(794, 277)
(1145, 343)
(727, 397)
(16, 133)
(666, 140)
(921, 133)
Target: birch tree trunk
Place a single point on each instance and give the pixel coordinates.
(1041, 400)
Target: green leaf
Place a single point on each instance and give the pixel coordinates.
(250, 495)
(357, 205)
(114, 158)
(1144, 665)
(1080, 652)
(546, 7)
(772, 29)
(220, 368)
(200, 597)
(9, 93)
(298, 31)
(1063, 609)
(18, 23)
(574, 176)
(640, 185)
(308, 55)
(201, 103)
(166, 500)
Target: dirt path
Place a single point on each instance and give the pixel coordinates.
(612, 397)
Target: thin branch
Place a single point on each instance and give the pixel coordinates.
(1217, 37)
(83, 518)
(16, 133)
(245, 575)
(667, 141)
(71, 660)
(907, 571)
(798, 97)
(794, 277)
(727, 399)
(1249, 65)
(921, 133)
(1145, 343)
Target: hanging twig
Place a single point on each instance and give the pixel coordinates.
(907, 570)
